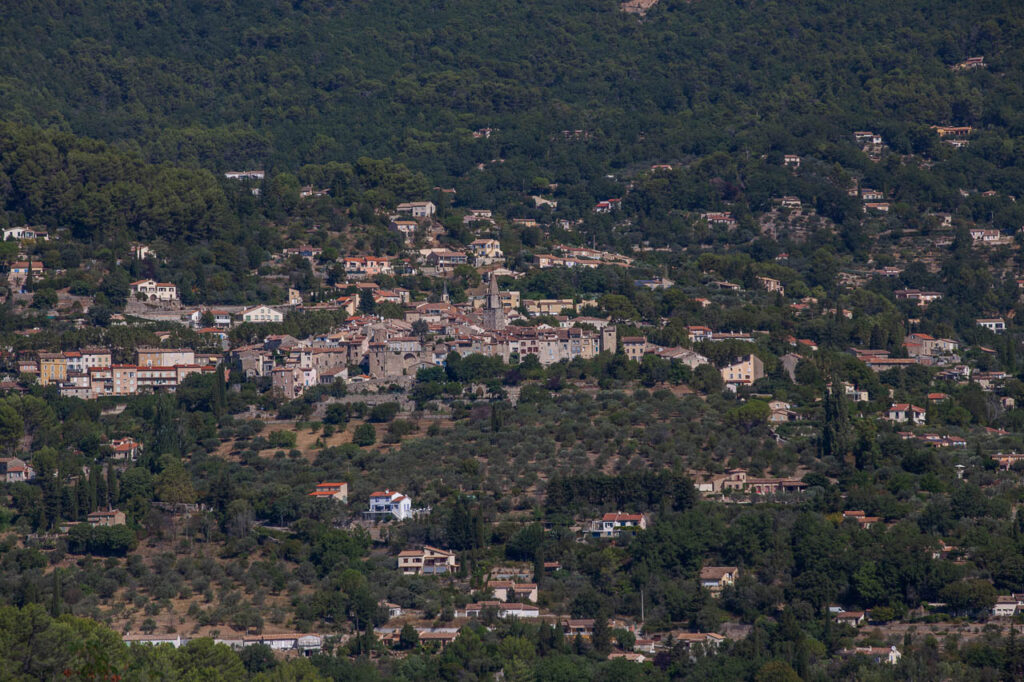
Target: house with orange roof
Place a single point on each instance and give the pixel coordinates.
(125, 448)
(902, 413)
(851, 618)
(331, 491)
(367, 266)
(426, 561)
(15, 470)
(611, 525)
(862, 520)
(387, 504)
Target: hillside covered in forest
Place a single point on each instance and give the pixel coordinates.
(284, 84)
(512, 340)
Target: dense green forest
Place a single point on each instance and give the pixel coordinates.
(118, 121)
(285, 84)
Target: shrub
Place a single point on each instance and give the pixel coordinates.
(281, 439)
(364, 435)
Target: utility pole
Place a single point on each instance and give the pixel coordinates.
(641, 606)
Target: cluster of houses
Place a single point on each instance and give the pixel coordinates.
(384, 505)
(738, 481)
(508, 593)
(303, 644)
(22, 270)
(579, 256)
(89, 373)
(389, 348)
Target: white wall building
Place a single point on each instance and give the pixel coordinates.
(388, 503)
(262, 313)
(155, 291)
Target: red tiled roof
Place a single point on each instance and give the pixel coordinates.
(619, 516)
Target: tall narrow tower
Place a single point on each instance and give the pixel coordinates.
(494, 312)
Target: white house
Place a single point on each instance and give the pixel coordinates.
(995, 324)
(245, 175)
(503, 609)
(221, 318)
(1005, 606)
(610, 525)
(855, 394)
(389, 503)
(24, 232)
(155, 291)
(262, 313)
(902, 413)
(518, 610)
(406, 227)
(142, 252)
(879, 654)
(418, 209)
(125, 448)
(981, 235)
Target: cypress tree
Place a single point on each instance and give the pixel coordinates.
(220, 396)
(602, 636)
(113, 493)
(56, 597)
(94, 488)
(81, 497)
(1013, 657)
